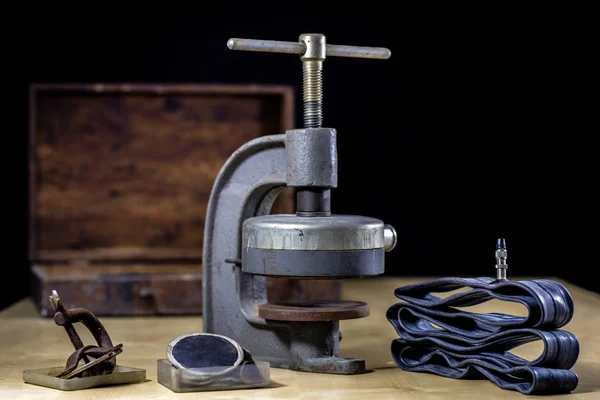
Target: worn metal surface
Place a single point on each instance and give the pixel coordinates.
(47, 377)
(311, 157)
(314, 310)
(62, 319)
(185, 380)
(390, 237)
(104, 353)
(337, 232)
(313, 202)
(333, 50)
(317, 264)
(313, 49)
(312, 81)
(246, 187)
(316, 346)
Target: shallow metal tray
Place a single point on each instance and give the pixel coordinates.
(47, 377)
(217, 378)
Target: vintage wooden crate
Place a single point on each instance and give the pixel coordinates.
(120, 177)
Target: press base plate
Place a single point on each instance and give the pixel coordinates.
(47, 377)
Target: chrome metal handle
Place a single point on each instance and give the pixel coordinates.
(312, 50)
(334, 50)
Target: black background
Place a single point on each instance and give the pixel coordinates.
(479, 126)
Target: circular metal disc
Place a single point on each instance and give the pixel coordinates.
(314, 310)
(333, 233)
(204, 350)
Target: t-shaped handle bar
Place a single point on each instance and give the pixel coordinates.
(332, 50)
(312, 50)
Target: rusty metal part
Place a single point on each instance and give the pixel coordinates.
(71, 332)
(312, 310)
(110, 354)
(104, 354)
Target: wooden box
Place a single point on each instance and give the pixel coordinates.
(120, 177)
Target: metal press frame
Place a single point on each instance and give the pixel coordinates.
(243, 244)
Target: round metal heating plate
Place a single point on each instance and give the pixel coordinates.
(333, 233)
(307, 311)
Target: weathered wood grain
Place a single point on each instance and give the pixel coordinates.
(136, 170)
(148, 289)
(120, 177)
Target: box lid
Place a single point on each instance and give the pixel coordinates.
(123, 172)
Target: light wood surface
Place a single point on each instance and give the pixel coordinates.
(30, 342)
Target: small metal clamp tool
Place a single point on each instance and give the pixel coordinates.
(100, 365)
(104, 354)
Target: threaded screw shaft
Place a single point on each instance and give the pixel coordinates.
(313, 93)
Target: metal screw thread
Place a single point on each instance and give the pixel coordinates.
(313, 93)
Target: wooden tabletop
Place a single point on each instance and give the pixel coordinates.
(31, 342)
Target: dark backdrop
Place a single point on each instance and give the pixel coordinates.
(477, 127)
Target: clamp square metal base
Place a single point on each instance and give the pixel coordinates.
(245, 376)
(47, 377)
